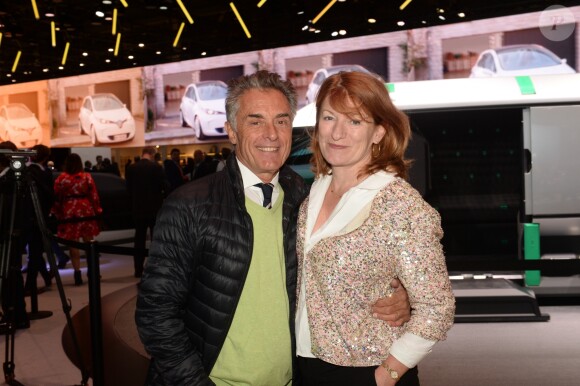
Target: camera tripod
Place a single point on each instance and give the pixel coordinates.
(10, 255)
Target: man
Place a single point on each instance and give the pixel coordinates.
(216, 303)
(193, 164)
(147, 186)
(99, 165)
(222, 160)
(173, 170)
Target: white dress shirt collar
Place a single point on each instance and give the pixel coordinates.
(349, 206)
(254, 193)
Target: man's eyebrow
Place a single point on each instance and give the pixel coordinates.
(260, 116)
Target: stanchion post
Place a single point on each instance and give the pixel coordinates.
(95, 314)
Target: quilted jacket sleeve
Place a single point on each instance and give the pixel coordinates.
(163, 296)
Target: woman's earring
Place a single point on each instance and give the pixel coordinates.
(375, 150)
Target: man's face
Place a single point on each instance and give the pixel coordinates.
(175, 156)
(198, 156)
(264, 134)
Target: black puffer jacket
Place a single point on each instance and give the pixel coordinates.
(196, 270)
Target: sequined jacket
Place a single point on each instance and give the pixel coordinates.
(346, 274)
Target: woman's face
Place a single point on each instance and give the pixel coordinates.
(345, 140)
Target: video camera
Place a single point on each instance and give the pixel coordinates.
(17, 159)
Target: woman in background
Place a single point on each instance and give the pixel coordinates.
(362, 226)
(76, 198)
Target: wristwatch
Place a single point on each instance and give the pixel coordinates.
(394, 375)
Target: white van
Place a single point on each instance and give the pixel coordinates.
(491, 154)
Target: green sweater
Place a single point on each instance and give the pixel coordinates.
(258, 350)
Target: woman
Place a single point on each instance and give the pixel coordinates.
(76, 198)
(361, 226)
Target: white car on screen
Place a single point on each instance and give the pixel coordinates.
(323, 73)
(106, 119)
(203, 107)
(519, 60)
(19, 125)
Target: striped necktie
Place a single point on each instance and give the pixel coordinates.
(267, 191)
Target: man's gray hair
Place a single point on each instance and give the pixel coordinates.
(261, 80)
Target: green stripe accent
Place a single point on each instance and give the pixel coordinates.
(391, 87)
(526, 85)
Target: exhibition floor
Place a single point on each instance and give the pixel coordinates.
(475, 354)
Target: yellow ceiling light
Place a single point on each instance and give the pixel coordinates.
(187, 15)
(323, 11)
(124, 3)
(16, 61)
(53, 33)
(65, 54)
(404, 5)
(261, 3)
(232, 5)
(0, 38)
(35, 9)
(114, 30)
(116, 52)
(176, 41)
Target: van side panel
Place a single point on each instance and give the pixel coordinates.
(555, 174)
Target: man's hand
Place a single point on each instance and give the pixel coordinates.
(394, 309)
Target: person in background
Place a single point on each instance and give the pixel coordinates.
(38, 173)
(88, 166)
(110, 167)
(226, 151)
(362, 226)
(206, 167)
(217, 298)
(173, 170)
(76, 199)
(147, 186)
(194, 164)
(127, 164)
(98, 166)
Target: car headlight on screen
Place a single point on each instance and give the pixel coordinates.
(212, 112)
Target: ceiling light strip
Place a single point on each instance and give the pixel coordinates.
(404, 5)
(114, 29)
(0, 38)
(176, 41)
(35, 9)
(323, 11)
(124, 3)
(65, 54)
(53, 33)
(240, 20)
(16, 61)
(187, 15)
(261, 3)
(116, 52)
